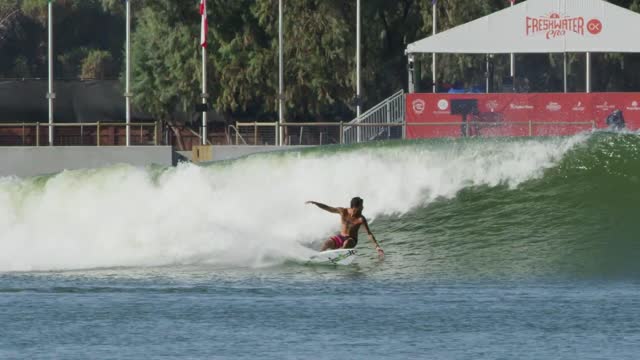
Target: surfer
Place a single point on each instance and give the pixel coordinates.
(351, 219)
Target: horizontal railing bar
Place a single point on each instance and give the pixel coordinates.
(496, 123)
(385, 124)
(75, 124)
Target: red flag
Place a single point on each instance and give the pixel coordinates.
(205, 26)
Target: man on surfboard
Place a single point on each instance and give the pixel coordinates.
(351, 219)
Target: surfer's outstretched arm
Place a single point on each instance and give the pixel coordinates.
(372, 238)
(324, 207)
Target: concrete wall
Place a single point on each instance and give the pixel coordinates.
(229, 152)
(31, 161)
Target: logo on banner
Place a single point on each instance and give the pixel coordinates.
(442, 107)
(578, 107)
(520, 107)
(635, 106)
(418, 106)
(553, 106)
(605, 106)
(492, 105)
(557, 25)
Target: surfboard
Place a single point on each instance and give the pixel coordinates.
(334, 257)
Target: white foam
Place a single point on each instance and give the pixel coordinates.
(247, 213)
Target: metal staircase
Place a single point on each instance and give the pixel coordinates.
(389, 111)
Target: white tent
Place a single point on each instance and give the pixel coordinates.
(541, 26)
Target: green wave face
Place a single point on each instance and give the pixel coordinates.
(579, 218)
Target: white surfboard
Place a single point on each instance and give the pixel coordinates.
(334, 257)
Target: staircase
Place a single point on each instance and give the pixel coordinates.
(389, 111)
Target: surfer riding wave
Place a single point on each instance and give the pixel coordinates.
(351, 219)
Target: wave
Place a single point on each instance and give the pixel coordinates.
(444, 206)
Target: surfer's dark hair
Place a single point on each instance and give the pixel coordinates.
(356, 202)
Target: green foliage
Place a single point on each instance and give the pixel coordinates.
(319, 52)
(21, 67)
(98, 65)
(70, 62)
(165, 62)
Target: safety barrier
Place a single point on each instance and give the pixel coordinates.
(265, 133)
(78, 134)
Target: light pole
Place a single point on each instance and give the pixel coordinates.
(280, 78)
(127, 91)
(50, 94)
(358, 100)
(434, 4)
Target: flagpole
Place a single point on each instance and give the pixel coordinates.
(280, 78)
(203, 40)
(50, 95)
(127, 91)
(204, 95)
(513, 60)
(435, 29)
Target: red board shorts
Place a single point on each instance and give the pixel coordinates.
(339, 240)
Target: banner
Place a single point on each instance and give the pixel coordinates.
(516, 114)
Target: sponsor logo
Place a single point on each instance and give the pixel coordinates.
(418, 106)
(594, 26)
(555, 25)
(443, 104)
(635, 106)
(553, 106)
(520, 107)
(492, 105)
(605, 106)
(578, 107)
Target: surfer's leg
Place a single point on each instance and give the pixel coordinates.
(329, 244)
(349, 244)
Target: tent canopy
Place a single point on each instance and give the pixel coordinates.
(541, 26)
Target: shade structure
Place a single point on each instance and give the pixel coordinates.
(541, 26)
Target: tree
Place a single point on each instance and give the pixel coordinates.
(98, 64)
(165, 65)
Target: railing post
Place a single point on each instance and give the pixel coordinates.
(98, 133)
(530, 128)
(22, 134)
(341, 132)
(237, 130)
(388, 121)
(255, 133)
(155, 133)
(38, 134)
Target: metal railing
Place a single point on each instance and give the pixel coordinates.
(388, 111)
(255, 133)
(70, 134)
(237, 136)
(321, 133)
(473, 128)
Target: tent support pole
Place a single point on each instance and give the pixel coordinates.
(588, 77)
(564, 71)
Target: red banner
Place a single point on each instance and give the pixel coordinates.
(539, 114)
